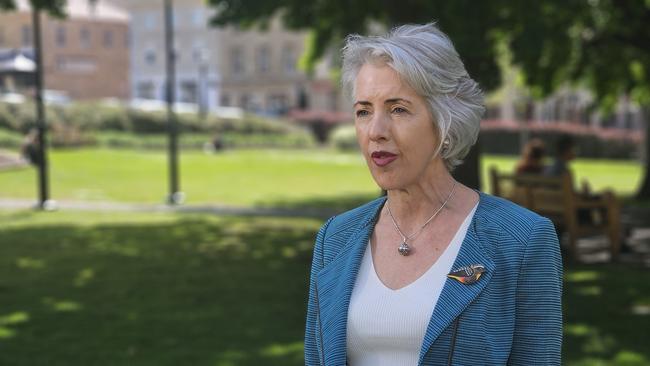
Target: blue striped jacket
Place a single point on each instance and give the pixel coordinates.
(511, 316)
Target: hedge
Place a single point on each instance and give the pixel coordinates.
(90, 124)
(505, 140)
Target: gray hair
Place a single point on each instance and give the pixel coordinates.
(425, 58)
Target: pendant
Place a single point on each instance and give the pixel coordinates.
(404, 249)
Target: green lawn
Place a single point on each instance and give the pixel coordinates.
(186, 289)
(245, 177)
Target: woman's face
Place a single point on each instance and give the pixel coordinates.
(394, 128)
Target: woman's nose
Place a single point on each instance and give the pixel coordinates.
(379, 127)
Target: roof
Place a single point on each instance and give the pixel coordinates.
(13, 60)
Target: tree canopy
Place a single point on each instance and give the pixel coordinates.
(53, 7)
(603, 45)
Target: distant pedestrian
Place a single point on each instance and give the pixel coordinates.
(30, 149)
(214, 145)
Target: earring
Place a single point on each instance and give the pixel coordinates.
(445, 145)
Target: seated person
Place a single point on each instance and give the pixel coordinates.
(564, 153)
(532, 159)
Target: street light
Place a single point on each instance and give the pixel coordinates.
(175, 196)
(44, 201)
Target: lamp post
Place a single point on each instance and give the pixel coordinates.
(44, 202)
(175, 196)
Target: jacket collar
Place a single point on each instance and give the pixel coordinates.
(335, 283)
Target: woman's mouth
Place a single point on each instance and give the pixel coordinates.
(382, 158)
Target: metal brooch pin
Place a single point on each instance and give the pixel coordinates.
(468, 275)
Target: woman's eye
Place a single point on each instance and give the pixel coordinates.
(362, 113)
(399, 110)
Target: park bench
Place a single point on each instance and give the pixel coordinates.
(575, 213)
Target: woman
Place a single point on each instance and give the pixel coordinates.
(435, 273)
(532, 159)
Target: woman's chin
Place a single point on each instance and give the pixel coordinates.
(388, 184)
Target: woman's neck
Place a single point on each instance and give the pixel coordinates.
(413, 205)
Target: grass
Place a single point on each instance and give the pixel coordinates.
(246, 177)
(152, 289)
(188, 289)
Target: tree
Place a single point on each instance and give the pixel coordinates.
(602, 45)
(599, 44)
(55, 8)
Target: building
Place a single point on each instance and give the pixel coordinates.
(197, 75)
(260, 69)
(253, 69)
(85, 56)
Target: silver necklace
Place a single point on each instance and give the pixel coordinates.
(404, 248)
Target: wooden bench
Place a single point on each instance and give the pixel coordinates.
(570, 211)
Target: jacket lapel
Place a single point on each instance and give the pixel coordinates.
(335, 283)
(455, 296)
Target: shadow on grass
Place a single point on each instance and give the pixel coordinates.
(195, 291)
(322, 207)
(188, 289)
(606, 315)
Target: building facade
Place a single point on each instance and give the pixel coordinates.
(85, 56)
(253, 69)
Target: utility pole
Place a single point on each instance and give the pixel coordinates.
(44, 202)
(175, 196)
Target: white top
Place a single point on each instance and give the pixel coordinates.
(387, 327)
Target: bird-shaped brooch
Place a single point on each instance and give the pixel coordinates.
(468, 275)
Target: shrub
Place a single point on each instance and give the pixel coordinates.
(10, 139)
(590, 143)
(344, 138)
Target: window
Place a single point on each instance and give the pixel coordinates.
(197, 17)
(84, 37)
(26, 36)
(244, 101)
(263, 59)
(289, 59)
(149, 21)
(76, 65)
(60, 36)
(150, 57)
(237, 60)
(199, 53)
(225, 100)
(108, 39)
(277, 104)
(145, 90)
(189, 92)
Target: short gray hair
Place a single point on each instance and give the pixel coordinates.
(426, 59)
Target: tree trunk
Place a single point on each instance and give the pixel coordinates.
(644, 189)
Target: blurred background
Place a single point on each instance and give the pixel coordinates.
(165, 164)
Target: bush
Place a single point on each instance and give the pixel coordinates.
(344, 137)
(589, 143)
(10, 139)
(198, 140)
(100, 117)
(86, 124)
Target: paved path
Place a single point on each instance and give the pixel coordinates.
(8, 203)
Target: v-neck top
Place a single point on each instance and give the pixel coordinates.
(385, 326)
